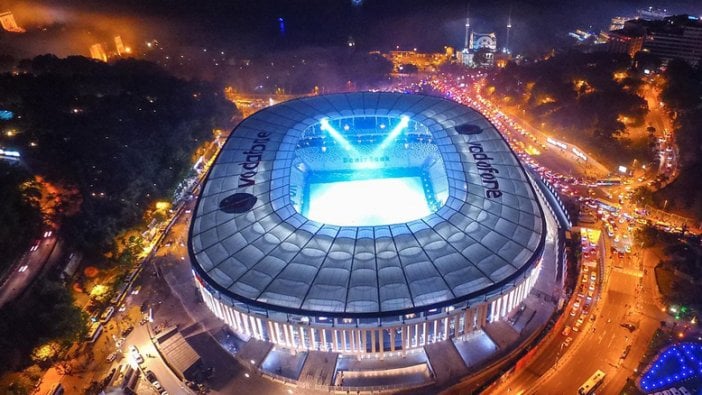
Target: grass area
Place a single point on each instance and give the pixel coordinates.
(676, 290)
(665, 278)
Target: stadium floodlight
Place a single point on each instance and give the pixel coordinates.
(325, 126)
(404, 121)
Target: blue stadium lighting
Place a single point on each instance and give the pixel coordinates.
(404, 121)
(325, 126)
(675, 365)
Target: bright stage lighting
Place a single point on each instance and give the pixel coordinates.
(380, 201)
(325, 126)
(404, 121)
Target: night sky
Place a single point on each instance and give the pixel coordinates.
(251, 26)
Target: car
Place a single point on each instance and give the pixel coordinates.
(576, 329)
(627, 249)
(592, 287)
(157, 385)
(630, 327)
(135, 354)
(150, 376)
(576, 305)
(48, 233)
(568, 341)
(579, 322)
(127, 331)
(35, 246)
(23, 268)
(593, 276)
(112, 356)
(136, 290)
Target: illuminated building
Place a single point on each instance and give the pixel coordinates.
(618, 22)
(119, 45)
(98, 53)
(423, 61)
(622, 41)
(651, 13)
(365, 223)
(8, 23)
(482, 45)
(677, 36)
(675, 370)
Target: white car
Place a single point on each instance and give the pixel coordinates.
(34, 247)
(135, 354)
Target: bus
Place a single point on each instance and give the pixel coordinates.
(609, 182)
(94, 332)
(56, 389)
(591, 385)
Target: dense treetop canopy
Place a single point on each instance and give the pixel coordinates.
(123, 134)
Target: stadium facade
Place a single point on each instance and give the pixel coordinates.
(365, 223)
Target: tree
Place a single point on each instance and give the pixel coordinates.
(119, 134)
(19, 213)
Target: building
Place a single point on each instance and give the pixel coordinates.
(677, 36)
(617, 23)
(365, 223)
(424, 62)
(8, 23)
(97, 52)
(623, 41)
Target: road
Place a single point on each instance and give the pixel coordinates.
(27, 269)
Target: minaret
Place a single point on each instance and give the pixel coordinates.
(465, 42)
(509, 26)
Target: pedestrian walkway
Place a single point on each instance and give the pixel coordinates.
(501, 333)
(318, 369)
(347, 362)
(408, 376)
(446, 363)
(284, 363)
(476, 349)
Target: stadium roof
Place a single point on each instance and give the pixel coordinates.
(250, 245)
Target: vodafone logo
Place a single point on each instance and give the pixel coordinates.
(238, 203)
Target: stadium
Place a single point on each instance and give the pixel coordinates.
(365, 223)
